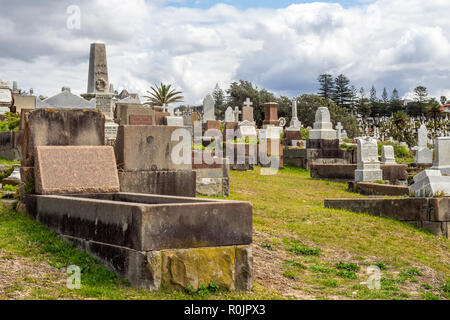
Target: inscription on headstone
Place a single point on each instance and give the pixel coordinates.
(136, 120)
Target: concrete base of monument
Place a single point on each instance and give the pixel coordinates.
(366, 175)
(230, 267)
(172, 183)
(431, 214)
(156, 241)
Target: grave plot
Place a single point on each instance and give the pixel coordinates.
(153, 241)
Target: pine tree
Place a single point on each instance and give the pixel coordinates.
(373, 94)
(384, 96)
(342, 93)
(219, 98)
(395, 96)
(326, 86)
(362, 93)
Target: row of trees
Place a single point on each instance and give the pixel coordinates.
(369, 104)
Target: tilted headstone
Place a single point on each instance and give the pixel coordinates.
(75, 169)
(429, 183)
(208, 108)
(368, 168)
(387, 155)
(323, 128)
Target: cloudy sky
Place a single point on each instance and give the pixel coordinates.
(279, 45)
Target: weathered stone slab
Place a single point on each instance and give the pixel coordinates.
(147, 222)
(51, 127)
(140, 120)
(75, 169)
(174, 183)
(148, 148)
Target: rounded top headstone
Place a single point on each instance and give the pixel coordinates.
(323, 115)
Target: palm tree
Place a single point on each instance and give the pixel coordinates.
(162, 95)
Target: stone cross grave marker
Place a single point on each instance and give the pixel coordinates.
(247, 111)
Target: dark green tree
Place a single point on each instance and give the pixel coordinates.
(342, 93)
(219, 98)
(307, 105)
(239, 92)
(326, 86)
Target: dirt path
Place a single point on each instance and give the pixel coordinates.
(24, 278)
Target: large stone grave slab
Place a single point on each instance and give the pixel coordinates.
(147, 148)
(75, 169)
(52, 127)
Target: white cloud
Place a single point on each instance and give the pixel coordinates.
(389, 43)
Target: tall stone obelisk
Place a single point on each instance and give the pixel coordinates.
(98, 87)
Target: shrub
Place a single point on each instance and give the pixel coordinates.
(10, 122)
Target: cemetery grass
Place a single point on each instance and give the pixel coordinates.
(33, 264)
(305, 251)
(301, 251)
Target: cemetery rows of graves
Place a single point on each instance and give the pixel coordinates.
(119, 179)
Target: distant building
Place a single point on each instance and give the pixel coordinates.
(65, 100)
